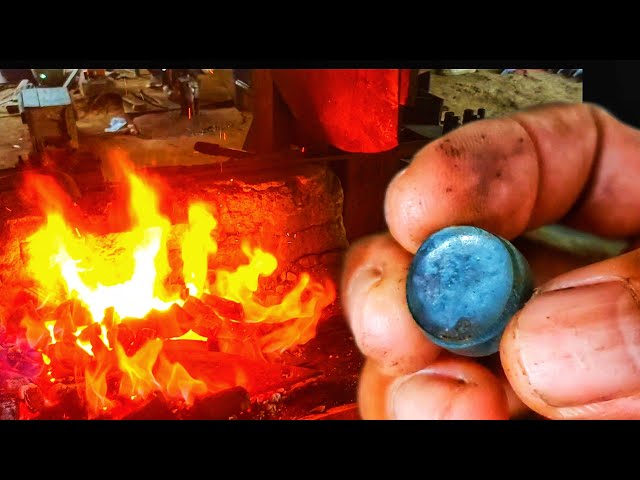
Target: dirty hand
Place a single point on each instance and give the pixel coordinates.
(573, 351)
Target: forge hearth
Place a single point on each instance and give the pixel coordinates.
(207, 355)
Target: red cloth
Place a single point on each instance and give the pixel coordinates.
(405, 78)
(353, 110)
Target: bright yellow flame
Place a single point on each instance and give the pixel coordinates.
(86, 346)
(50, 325)
(129, 279)
(103, 335)
(191, 335)
(240, 285)
(197, 246)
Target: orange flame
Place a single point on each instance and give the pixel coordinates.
(240, 286)
(122, 275)
(36, 332)
(177, 383)
(137, 372)
(96, 392)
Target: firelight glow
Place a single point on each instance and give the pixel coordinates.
(124, 275)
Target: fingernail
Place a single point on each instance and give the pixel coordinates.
(424, 396)
(580, 345)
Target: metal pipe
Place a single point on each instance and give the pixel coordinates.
(577, 242)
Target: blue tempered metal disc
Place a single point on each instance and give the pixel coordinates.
(463, 287)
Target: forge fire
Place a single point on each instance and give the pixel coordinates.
(102, 306)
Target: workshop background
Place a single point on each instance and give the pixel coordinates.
(499, 92)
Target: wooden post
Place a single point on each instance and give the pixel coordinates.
(271, 129)
(364, 183)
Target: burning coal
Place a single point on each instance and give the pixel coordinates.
(107, 303)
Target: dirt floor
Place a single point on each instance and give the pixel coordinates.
(14, 140)
(503, 94)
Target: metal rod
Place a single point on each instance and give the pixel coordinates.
(577, 242)
(71, 76)
(403, 150)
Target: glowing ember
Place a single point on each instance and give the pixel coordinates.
(124, 276)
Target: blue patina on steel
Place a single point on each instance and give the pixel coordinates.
(463, 287)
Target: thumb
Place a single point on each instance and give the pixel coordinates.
(574, 350)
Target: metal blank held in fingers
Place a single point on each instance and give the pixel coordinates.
(463, 287)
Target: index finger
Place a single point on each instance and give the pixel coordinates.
(509, 175)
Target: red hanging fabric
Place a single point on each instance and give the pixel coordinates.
(353, 110)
